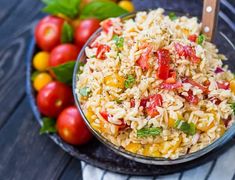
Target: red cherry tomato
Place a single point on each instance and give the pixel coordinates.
(154, 100)
(192, 37)
(62, 54)
(101, 50)
(53, 98)
(143, 59)
(164, 59)
(85, 29)
(71, 127)
(48, 32)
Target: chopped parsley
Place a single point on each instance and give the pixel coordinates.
(129, 82)
(118, 41)
(200, 39)
(172, 16)
(153, 131)
(188, 128)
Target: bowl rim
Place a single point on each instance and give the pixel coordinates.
(227, 136)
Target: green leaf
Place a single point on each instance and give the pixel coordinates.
(80, 64)
(69, 8)
(48, 125)
(64, 72)
(102, 9)
(233, 107)
(118, 41)
(144, 132)
(129, 82)
(200, 39)
(34, 75)
(172, 16)
(188, 128)
(67, 33)
(85, 91)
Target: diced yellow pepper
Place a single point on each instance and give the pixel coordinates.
(171, 122)
(114, 80)
(177, 144)
(90, 115)
(232, 86)
(133, 147)
(165, 147)
(205, 127)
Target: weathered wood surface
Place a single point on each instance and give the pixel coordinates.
(24, 153)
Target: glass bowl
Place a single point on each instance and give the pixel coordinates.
(224, 45)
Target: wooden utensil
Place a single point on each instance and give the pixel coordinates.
(209, 17)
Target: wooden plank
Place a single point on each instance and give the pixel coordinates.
(72, 171)
(25, 154)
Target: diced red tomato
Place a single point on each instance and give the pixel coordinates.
(106, 116)
(143, 59)
(101, 50)
(163, 56)
(106, 25)
(153, 102)
(172, 78)
(192, 37)
(223, 85)
(191, 98)
(187, 52)
(194, 83)
(132, 103)
(170, 86)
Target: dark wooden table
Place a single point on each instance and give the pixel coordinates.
(24, 154)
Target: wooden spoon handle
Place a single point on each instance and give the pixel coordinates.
(209, 17)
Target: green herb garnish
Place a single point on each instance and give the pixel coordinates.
(144, 132)
(129, 82)
(69, 8)
(85, 91)
(64, 72)
(48, 125)
(188, 128)
(200, 39)
(233, 107)
(67, 33)
(118, 41)
(172, 16)
(102, 9)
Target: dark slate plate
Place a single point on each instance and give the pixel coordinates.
(95, 153)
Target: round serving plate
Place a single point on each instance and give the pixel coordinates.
(97, 154)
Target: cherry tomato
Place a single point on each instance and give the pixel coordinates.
(85, 29)
(41, 80)
(101, 50)
(41, 61)
(62, 54)
(71, 127)
(192, 37)
(143, 59)
(127, 5)
(164, 59)
(153, 101)
(53, 98)
(48, 32)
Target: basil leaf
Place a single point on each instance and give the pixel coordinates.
(188, 128)
(48, 126)
(118, 41)
(172, 16)
(69, 8)
(200, 39)
(130, 81)
(80, 64)
(233, 107)
(149, 132)
(34, 75)
(67, 33)
(85, 91)
(102, 9)
(64, 72)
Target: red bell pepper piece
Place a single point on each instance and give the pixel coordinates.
(194, 83)
(153, 102)
(164, 59)
(101, 50)
(192, 37)
(106, 25)
(170, 86)
(143, 59)
(223, 85)
(192, 98)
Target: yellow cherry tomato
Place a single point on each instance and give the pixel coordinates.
(127, 5)
(41, 80)
(232, 86)
(41, 61)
